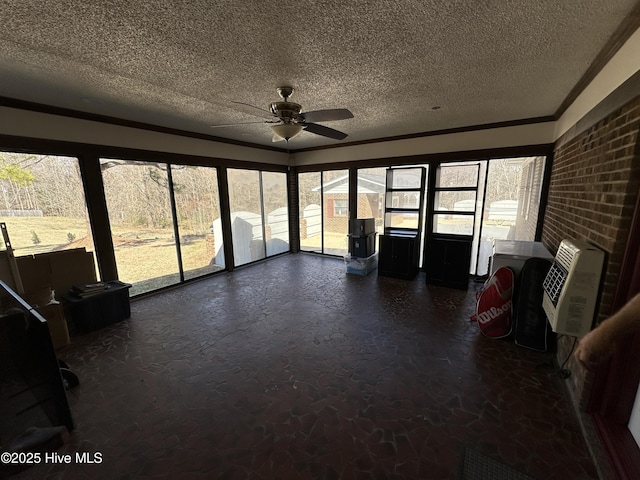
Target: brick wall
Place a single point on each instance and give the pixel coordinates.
(333, 222)
(592, 194)
(364, 206)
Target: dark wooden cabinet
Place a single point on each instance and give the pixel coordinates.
(398, 256)
(99, 310)
(399, 247)
(451, 224)
(448, 260)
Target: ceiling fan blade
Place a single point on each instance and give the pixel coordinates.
(327, 115)
(243, 123)
(324, 131)
(253, 110)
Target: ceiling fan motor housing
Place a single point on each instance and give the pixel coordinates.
(287, 111)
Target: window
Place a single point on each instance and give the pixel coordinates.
(455, 198)
(247, 228)
(42, 203)
(335, 227)
(310, 216)
(511, 204)
(324, 211)
(198, 214)
(371, 189)
(340, 208)
(259, 214)
(137, 195)
(276, 212)
(370, 199)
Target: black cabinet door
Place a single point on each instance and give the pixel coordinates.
(397, 256)
(448, 261)
(385, 255)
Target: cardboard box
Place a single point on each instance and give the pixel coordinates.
(54, 315)
(58, 270)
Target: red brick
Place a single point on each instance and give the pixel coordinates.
(592, 194)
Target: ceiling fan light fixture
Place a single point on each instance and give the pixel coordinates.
(286, 131)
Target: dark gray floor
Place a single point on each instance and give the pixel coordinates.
(293, 369)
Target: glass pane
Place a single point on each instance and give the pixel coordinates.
(309, 197)
(405, 178)
(335, 200)
(403, 200)
(514, 186)
(457, 175)
(456, 201)
(476, 243)
(275, 205)
(246, 216)
(137, 195)
(43, 203)
(453, 224)
(198, 211)
(371, 188)
(402, 220)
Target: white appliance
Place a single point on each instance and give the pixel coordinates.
(571, 288)
(513, 254)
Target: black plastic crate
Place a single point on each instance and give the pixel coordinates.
(99, 310)
(362, 226)
(362, 245)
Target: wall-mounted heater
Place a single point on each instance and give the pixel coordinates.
(571, 288)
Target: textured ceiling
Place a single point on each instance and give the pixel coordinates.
(181, 64)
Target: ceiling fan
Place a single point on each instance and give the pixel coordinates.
(288, 120)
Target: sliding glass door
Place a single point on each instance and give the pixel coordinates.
(335, 208)
(140, 214)
(247, 228)
(510, 205)
(309, 201)
(370, 201)
(276, 212)
(324, 211)
(198, 213)
(259, 214)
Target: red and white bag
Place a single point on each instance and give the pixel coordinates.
(493, 305)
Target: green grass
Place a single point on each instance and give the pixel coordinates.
(52, 232)
(145, 257)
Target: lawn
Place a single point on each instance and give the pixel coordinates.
(31, 235)
(145, 257)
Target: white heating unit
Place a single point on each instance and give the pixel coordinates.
(571, 288)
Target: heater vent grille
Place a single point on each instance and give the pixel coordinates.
(571, 288)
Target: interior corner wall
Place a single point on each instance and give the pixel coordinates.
(594, 184)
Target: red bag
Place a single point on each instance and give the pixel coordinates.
(493, 306)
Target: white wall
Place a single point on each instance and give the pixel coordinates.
(624, 64)
(534, 134)
(54, 127)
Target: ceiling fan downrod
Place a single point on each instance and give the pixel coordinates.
(285, 92)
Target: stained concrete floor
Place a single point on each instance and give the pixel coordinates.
(293, 369)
